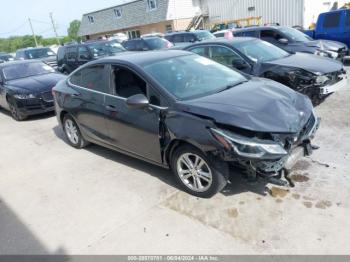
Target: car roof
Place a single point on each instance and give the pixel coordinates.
(17, 62)
(223, 40)
(185, 32)
(33, 48)
(142, 58)
(253, 28)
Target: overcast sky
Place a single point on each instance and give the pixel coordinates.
(15, 13)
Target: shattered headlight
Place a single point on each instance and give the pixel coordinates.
(249, 147)
(24, 96)
(322, 80)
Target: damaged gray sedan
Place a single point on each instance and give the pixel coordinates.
(187, 113)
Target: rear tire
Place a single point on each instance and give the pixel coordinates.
(72, 133)
(197, 174)
(15, 113)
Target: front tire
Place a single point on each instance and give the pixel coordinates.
(15, 113)
(72, 133)
(197, 174)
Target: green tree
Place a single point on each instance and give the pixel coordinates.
(73, 30)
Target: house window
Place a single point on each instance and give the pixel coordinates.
(91, 19)
(251, 8)
(152, 5)
(134, 34)
(168, 28)
(118, 12)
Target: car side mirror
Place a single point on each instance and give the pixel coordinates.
(283, 41)
(239, 64)
(138, 101)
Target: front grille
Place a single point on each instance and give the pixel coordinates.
(309, 125)
(343, 52)
(47, 96)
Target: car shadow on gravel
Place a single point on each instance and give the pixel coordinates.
(236, 186)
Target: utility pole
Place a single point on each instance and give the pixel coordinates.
(54, 29)
(31, 27)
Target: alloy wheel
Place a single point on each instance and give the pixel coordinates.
(194, 172)
(71, 131)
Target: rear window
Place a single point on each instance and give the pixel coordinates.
(157, 43)
(204, 35)
(38, 53)
(331, 20)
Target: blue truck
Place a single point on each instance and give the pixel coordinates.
(333, 25)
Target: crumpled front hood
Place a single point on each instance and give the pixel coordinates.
(258, 105)
(312, 63)
(36, 84)
(326, 45)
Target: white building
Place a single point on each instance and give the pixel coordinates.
(284, 12)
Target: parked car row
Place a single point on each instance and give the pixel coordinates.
(315, 76)
(196, 111)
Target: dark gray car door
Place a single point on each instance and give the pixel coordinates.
(135, 131)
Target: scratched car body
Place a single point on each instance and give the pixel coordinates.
(187, 113)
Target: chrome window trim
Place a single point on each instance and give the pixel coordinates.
(110, 95)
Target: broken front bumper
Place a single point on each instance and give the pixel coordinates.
(298, 152)
(335, 87)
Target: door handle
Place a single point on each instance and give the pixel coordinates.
(111, 108)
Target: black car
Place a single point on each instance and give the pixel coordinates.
(6, 57)
(182, 111)
(44, 54)
(292, 40)
(147, 44)
(70, 57)
(178, 38)
(312, 75)
(25, 88)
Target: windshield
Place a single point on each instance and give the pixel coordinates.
(295, 34)
(38, 53)
(193, 76)
(204, 35)
(260, 51)
(105, 48)
(17, 71)
(157, 43)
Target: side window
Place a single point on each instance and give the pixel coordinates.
(189, 38)
(178, 38)
(219, 35)
(270, 35)
(199, 50)
(71, 54)
(250, 33)
(331, 20)
(130, 45)
(347, 21)
(139, 45)
(126, 83)
(169, 38)
(83, 53)
(92, 77)
(223, 55)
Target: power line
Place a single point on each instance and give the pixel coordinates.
(14, 30)
(40, 22)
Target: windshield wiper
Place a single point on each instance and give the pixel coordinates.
(231, 86)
